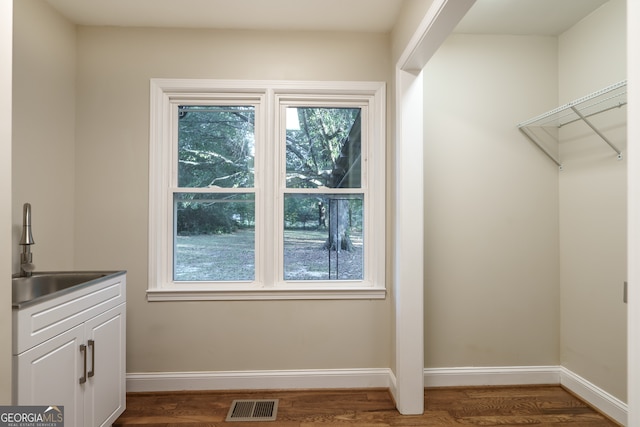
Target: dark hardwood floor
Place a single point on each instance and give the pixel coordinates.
(479, 406)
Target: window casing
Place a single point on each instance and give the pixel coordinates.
(269, 194)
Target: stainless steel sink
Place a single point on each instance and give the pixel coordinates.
(45, 285)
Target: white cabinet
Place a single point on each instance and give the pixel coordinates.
(70, 351)
(46, 375)
(104, 398)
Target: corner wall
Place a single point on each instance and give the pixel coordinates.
(6, 37)
(593, 204)
(43, 157)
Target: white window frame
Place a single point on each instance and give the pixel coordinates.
(271, 98)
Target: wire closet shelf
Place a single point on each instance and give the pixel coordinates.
(547, 124)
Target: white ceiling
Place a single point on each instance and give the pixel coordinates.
(321, 15)
(545, 17)
(526, 17)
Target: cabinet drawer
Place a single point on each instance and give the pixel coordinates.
(40, 322)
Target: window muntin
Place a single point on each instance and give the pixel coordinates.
(263, 189)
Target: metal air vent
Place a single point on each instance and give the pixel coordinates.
(253, 410)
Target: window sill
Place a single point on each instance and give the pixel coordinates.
(258, 294)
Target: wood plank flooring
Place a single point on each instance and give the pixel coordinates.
(479, 406)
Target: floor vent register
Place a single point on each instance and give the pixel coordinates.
(253, 410)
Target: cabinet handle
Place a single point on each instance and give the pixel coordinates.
(92, 346)
(83, 350)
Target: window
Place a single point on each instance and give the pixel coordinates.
(266, 190)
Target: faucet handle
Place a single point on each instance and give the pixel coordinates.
(27, 236)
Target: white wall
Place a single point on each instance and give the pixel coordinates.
(114, 68)
(593, 203)
(6, 37)
(44, 133)
(491, 205)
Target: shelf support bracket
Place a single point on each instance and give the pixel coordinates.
(604, 138)
(540, 146)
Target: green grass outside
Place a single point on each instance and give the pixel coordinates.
(230, 257)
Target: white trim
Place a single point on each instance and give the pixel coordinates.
(408, 257)
(380, 378)
(435, 27)
(260, 380)
(194, 87)
(265, 294)
(393, 384)
(488, 376)
(603, 401)
(265, 96)
(633, 213)
(594, 395)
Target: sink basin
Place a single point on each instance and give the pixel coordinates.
(44, 285)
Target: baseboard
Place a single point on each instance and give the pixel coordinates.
(476, 376)
(260, 380)
(380, 378)
(604, 402)
(393, 387)
(609, 405)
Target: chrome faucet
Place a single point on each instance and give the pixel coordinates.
(26, 258)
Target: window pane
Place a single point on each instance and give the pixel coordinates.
(214, 237)
(323, 147)
(323, 237)
(216, 146)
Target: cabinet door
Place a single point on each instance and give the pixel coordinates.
(105, 392)
(49, 374)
